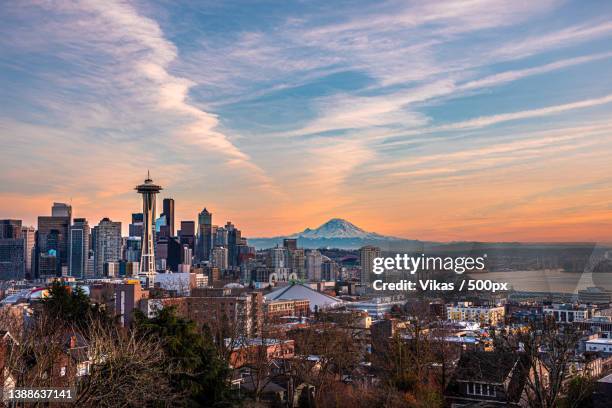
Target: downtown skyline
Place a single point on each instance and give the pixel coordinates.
(487, 121)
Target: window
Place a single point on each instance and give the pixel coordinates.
(63, 371)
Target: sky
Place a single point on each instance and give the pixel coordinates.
(452, 120)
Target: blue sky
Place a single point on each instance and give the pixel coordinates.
(433, 120)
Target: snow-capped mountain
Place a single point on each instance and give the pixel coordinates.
(337, 228)
(335, 233)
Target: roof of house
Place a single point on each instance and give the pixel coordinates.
(492, 368)
(295, 291)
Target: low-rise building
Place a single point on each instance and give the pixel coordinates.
(467, 312)
(569, 313)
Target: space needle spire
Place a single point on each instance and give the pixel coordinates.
(147, 258)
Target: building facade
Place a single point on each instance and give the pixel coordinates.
(107, 244)
(78, 248)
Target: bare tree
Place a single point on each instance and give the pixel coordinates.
(546, 351)
(126, 370)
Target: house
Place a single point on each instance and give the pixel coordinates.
(487, 378)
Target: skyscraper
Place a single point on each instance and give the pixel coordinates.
(108, 244)
(61, 210)
(29, 243)
(168, 205)
(219, 258)
(367, 255)
(147, 257)
(204, 240)
(314, 259)
(78, 248)
(12, 263)
(187, 234)
(234, 238)
(135, 228)
(52, 241)
(10, 229)
(290, 243)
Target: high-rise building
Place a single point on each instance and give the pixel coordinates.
(147, 257)
(135, 228)
(132, 249)
(29, 243)
(329, 270)
(10, 229)
(278, 258)
(204, 240)
(234, 238)
(314, 259)
(220, 258)
(220, 237)
(187, 234)
(78, 248)
(290, 244)
(187, 255)
(367, 255)
(168, 254)
(61, 210)
(52, 240)
(108, 244)
(161, 228)
(12, 262)
(168, 208)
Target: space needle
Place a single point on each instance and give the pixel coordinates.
(147, 258)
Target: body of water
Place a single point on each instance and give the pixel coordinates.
(549, 280)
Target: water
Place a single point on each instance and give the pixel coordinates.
(549, 280)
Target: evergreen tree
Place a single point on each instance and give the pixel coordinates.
(196, 369)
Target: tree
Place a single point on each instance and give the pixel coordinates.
(196, 369)
(579, 393)
(72, 306)
(127, 370)
(546, 350)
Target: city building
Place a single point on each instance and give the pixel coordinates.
(376, 307)
(107, 244)
(29, 244)
(467, 312)
(135, 227)
(297, 291)
(12, 250)
(147, 256)
(127, 299)
(568, 313)
(220, 257)
(329, 269)
(78, 249)
(187, 234)
(494, 378)
(204, 238)
(314, 260)
(366, 256)
(133, 246)
(278, 258)
(275, 309)
(52, 241)
(599, 345)
(290, 244)
(168, 212)
(234, 239)
(10, 229)
(61, 210)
